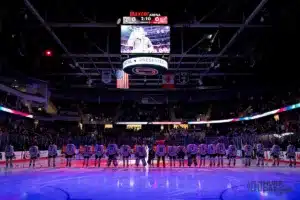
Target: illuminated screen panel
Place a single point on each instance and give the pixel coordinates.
(145, 39)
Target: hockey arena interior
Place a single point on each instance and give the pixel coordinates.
(174, 100)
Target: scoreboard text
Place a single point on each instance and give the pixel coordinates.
(146, 20)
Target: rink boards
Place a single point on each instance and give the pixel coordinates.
(24, 155)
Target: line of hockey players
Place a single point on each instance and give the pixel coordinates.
(214, 152)
(34, 154)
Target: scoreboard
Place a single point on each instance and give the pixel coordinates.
(145, 33)
(160, 20)
(145, 18)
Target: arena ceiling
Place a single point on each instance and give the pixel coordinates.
(221, 43)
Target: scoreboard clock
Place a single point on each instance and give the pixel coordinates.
(159, 20)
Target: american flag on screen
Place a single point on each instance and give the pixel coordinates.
(122, 79)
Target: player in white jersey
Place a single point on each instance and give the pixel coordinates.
(221, 151)
(275, 153)
(192, 150)
(161, 152)
(99, 153)
(181, 151)
(125, 151)
(211, 150)
(248, 154)
(202, 153)
(172, 153)
(291, 154)
(9, 155)
(260, 154)
(112, 153)
(140, 154)
(34, 154)
(87, 153)
(232, 151)
(70, 153)
(52, 153)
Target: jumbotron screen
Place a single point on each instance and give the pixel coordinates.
(145, 39)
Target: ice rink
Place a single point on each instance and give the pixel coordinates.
(104, 183)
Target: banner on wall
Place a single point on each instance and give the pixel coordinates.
(183, 78)
(168, 81)
(106, 76)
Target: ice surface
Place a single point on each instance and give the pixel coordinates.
(78, 183)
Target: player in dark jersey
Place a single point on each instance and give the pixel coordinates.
(180, 155)
(125, 152)
(112, 153)
(151, 156)
(192, 150)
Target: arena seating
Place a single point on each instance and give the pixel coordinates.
(20, 131)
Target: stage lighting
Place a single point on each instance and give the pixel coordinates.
(48, 53)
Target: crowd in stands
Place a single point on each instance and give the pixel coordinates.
(238, 107)
(21, 131)
(132, 111)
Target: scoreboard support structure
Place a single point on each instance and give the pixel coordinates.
(108, 59)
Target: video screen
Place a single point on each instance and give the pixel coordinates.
(145, 39)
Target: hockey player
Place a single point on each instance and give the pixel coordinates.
(34, 154)
(192, 150)
(221, 151)
(248, 154)
(211, 150)
(202, 153)
(99, 153)
(125, 152)
(260, 154)
(172, 153)
(291, 154)
(140, 154)
(87, 153)
(181, 154)
(70, 153)
(151, 156)
(9, 155)
(52, 153)
(232, 151)
(112, 153)
(275, 153)
(161, 154)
